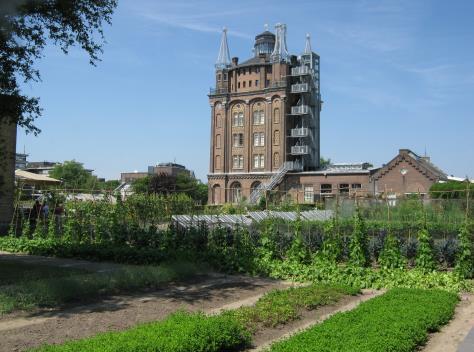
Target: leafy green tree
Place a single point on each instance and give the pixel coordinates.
(73, 175)
(26, 27)
(465, 258)
(324, 162)
(358, 246)
(424, 255)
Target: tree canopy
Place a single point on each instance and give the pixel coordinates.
(26, 27)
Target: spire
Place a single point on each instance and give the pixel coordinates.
(307, 48)
(280, 52)
(223, 59)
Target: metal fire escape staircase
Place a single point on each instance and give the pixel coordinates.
(276, 178)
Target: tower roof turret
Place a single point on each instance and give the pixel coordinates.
(264, 43)
(223, 58)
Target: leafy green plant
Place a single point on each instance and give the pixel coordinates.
(359, 253)
(397, 321)
(180, 332)
(465, 259)
(424, 257)
(391, 256)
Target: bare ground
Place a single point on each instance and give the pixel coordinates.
(451, 336)
(21, 331)
(263, 339)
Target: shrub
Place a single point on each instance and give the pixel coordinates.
(397, 321)
(359, 253)
(391, 257)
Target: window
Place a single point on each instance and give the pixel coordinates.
(276, 137)
(326, 188)
(235, 192)
(244, 83)
(256, 83)
(216, 194)
(308, 194)
(258, 115)
(218, 162)
(276, 159)
(218, 141)
(219, 77)
(238, 85)
(344, 188)
(267, 83)
(225, 76)
(238, 119)
(259, 139)
(356, 186)
(258, 161)
(257, 69)
(254, 186)
(250, 84)
(238, 161)
(276, 115)
(238, 140)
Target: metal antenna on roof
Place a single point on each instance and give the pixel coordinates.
(223, 59)
(307, 47)
(280, 51)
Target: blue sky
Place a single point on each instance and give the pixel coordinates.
(394, 74)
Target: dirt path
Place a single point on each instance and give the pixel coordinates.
(453, 337)
(263, 339)
(21, 331)
(59, 262)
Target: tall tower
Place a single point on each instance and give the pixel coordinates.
(264, 118)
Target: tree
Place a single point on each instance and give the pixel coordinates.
(73, 175)
(324, 162)
(26, 27)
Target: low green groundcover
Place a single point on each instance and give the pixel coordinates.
(398, 321)
(180, 332)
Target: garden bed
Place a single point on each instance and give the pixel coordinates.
(398, 321)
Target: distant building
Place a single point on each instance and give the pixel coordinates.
(45, 167)
(20, 161)
(171, 169)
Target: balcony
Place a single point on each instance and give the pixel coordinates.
(217, 91)
(277, 84)
(301, 71)
(300, 110)
(300, 132)
(299, 150)
(299, 88)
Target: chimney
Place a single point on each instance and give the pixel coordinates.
(235, 61)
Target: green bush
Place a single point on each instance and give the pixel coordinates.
(465, 258)
(424, 256)
(180, 332)
(398, 321)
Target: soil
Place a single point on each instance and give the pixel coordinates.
(451, 336)
(264, 338)
(21, 331)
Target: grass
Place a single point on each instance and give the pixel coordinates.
(180, 332)
(13, 272)
(57, 291)
(282, 306)
(398, 321)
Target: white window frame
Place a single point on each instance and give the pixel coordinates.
(308, 193)
(259, 139)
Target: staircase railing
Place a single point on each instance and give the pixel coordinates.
(276, 178)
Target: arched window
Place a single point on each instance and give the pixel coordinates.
(255, 185)
(235, 192)
(218, 162)
(276, 137)
(238, 115)
(216, 194)
(276, 159)
(218, 141)
(276, 115)
(258, 114)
